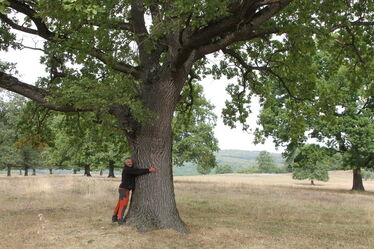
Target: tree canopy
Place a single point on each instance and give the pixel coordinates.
(310, 163)
(265, 162)
(339, 115)
(14, 154)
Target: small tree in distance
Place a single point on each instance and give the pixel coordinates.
(310, 163)
(265, 162)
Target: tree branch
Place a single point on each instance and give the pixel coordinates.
(244, 34)
(190, 104)
(15, 26)
(357, 51)
(121, 26)
(283, 83)
(137, 15)
(119, 66)
(235, 28)
(241, 61)
(39, 95)
(362, 23)
(25, 9)
(227, 24)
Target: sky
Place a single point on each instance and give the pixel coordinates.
(29, 69)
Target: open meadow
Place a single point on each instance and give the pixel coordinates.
(221, 211)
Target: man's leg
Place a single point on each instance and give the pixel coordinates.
(124, 200)
(115, 212)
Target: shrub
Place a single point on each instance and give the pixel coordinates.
(367, 175)
(224, 169)
(248, 170)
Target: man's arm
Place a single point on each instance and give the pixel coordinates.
(137, 172)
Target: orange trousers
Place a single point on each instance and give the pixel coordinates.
(123, 200)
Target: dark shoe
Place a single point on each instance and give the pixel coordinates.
(114, 218)
(121, 222)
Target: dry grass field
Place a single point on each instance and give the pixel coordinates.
(223, 211)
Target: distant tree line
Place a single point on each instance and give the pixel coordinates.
(32, 137)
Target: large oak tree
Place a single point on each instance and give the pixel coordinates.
(130, 59)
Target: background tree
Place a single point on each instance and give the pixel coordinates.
(9, 115)
(265, 162)
(14, 147)
(310, 163)
(135, 57)
(193, 135)
(339, 115)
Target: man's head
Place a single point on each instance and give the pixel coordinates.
(128, 161)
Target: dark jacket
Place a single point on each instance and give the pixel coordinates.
(128, 176)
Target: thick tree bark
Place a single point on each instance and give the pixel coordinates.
(153, 203)
(357, 180)
(312, 182)
(26, 171)
(9, 173)
(20, 172)
(50, 171)
(75, 171)
(101, 172)
(87, 170)
(111, 170)
(33, 172)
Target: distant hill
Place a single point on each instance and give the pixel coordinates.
(235, 158)
(243, 158)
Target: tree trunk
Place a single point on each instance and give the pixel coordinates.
(312, 182)
(357, 180)
(9, 173)
(33, 172)
(87, 170)
(111, 169)
(75, 171)
(26, 171)
(50, 171)
(20, 172)
(153, 203)
(101, 172)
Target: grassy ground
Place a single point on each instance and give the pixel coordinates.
(227, 211)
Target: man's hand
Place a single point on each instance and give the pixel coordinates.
(152, 169)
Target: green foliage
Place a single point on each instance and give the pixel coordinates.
(310, 163)
(340, 114)
(224, 169)
(78, 143)
(265, 162)
(367, 175)
(255, 170)
(8, 136)
(3, 4)
(13, 151)
(248, 170)
(202, 170)
(193, 133)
